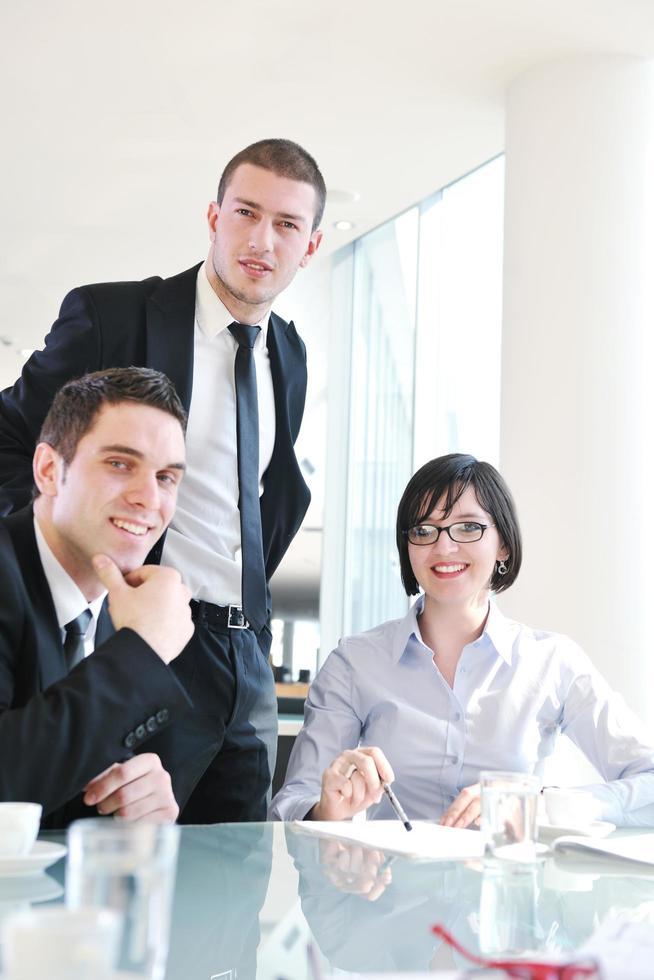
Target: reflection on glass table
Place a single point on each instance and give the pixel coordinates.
(18, 893)
(249, 898)
(369, 914)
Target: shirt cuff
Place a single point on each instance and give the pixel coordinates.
(620, 803)
(295, 809)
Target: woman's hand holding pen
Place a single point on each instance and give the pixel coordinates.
(352, 783)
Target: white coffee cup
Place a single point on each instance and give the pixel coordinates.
(569, 807)
(19, 826)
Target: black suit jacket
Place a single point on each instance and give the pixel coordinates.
(58, 730)
(151, 324)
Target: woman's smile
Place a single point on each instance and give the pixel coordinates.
(449, 569)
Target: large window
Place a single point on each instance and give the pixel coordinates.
(457, 394)
(412, 313)
(381, 416)
(423, 379)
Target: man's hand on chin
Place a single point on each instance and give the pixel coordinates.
(152, 600)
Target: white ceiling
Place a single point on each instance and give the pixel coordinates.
(118, 117)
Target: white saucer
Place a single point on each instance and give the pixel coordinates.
(521, 853)
(598, 828)
(43, 854)
(39, 887)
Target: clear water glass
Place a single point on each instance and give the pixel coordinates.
(509, 806)
(60, 943)
(129, 867)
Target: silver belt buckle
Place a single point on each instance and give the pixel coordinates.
(235, 612)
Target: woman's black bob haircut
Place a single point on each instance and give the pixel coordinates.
(446, 478)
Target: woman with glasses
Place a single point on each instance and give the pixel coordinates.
(428, 701)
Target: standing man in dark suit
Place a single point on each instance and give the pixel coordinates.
(210, 329)
(78, 696)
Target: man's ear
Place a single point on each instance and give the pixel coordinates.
(48, 468)
(314, 242)
(213, 211)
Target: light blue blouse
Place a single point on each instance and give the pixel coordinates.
(514, 690)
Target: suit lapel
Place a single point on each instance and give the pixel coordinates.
(289, 374)
(52, 665)
(105, 627)
(169, 331)
(170, 319)
(285, 496)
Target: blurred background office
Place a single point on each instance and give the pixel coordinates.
(485, 282)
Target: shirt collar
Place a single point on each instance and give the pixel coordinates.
(498, 631)
(501, 632)
(212, 315)
(408, 628)
(68, 599)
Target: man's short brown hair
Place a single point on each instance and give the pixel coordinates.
(76, 406)
(284, 158)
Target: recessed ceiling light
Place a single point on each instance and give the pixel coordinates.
(344, 225)
(339, 195)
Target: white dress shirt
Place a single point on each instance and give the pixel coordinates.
(204, 539)
(514, 690)
(69, 601)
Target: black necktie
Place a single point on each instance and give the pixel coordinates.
(74, 642)
(253, 581)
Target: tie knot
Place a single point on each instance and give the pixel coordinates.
(244, 334)
(79, 626)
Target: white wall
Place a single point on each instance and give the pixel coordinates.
(576, 438)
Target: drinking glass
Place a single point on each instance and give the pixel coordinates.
(129, 867)
(509, 804)
(60, 943)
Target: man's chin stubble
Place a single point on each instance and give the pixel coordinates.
(243, 297)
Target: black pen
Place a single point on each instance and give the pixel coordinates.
(395, 803)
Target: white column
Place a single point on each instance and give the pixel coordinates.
(577, 435)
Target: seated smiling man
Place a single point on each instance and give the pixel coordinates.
(80, 697)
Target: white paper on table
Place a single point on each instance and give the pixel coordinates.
(624, 949)
(638, 848)
(429, 841)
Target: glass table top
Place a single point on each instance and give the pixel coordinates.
(250, 897)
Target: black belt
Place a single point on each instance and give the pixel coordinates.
(209, 614)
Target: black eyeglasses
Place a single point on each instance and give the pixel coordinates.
(463, 532)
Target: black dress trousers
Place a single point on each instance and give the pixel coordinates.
(223, 759)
